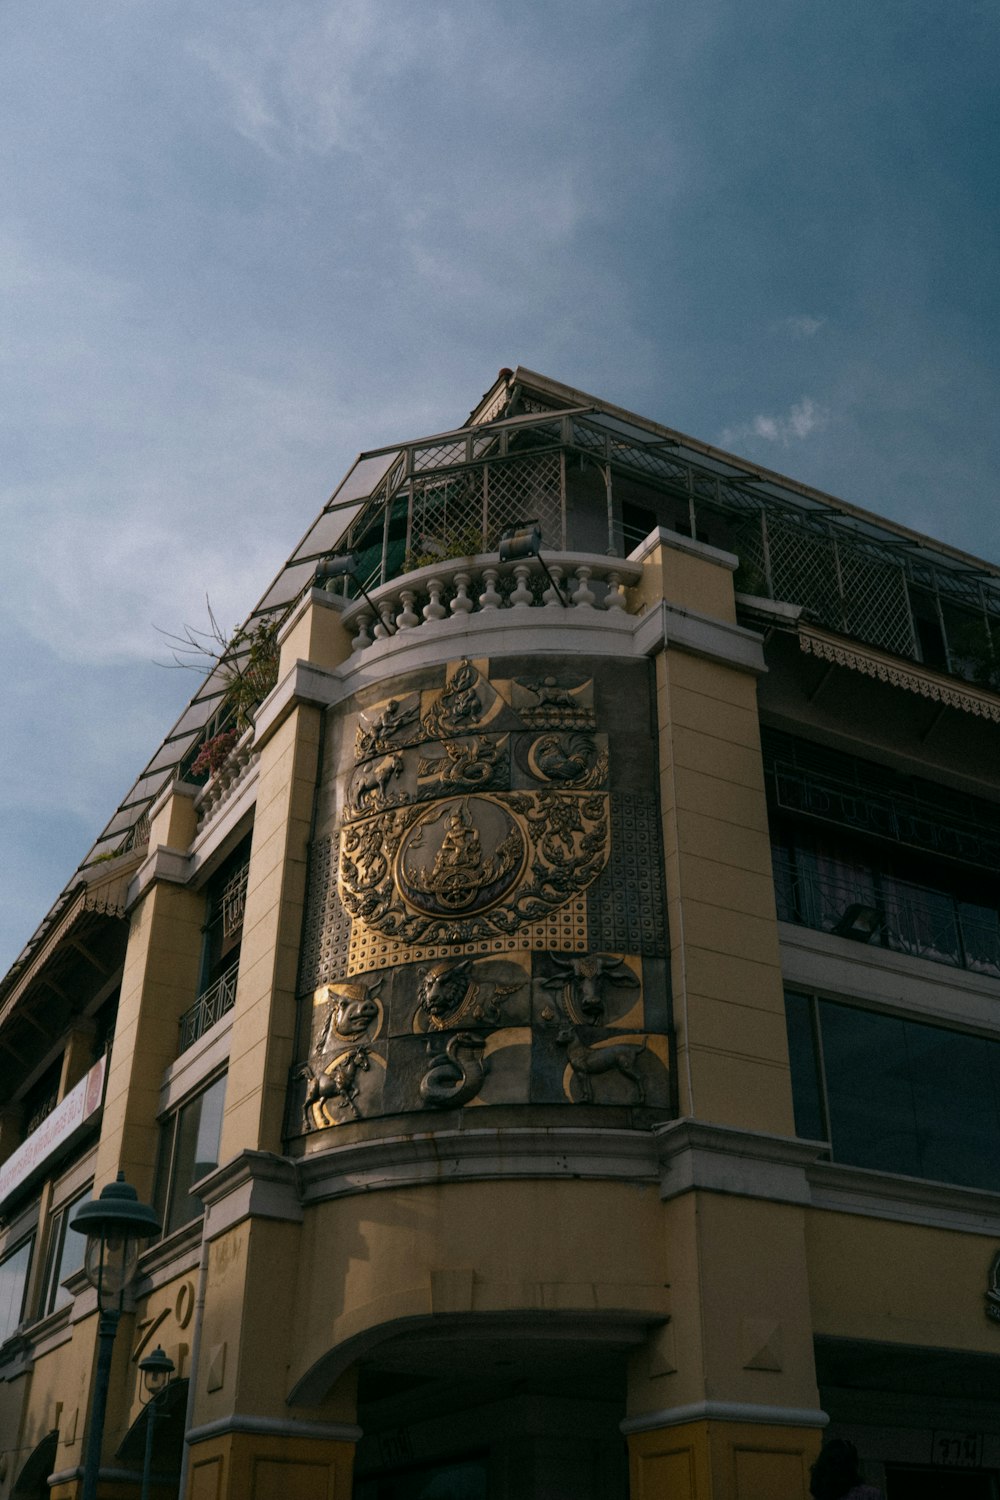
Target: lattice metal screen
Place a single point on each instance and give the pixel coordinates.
(522, 489)
(843, 585)
(469, 512)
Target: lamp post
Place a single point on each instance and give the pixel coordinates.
(114, 1224)
(157, 1369)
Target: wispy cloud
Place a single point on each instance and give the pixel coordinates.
(801, 326)
(800, 421)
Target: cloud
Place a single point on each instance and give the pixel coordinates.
(802, 419)
(802, 326)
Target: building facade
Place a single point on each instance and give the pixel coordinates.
(552, 1002)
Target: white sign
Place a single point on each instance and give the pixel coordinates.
(55, 1132)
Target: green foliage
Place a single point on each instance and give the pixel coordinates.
(467, 542)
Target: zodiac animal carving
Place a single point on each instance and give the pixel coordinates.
(589, 1062)
(338, 1082)
(371, 788)
(584, 978)
(450, 1081)
(443, 987)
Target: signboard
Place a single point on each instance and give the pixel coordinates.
(56, 1132)
(958, 1450)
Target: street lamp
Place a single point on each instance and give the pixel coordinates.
(157, 1369)
(114, 1224)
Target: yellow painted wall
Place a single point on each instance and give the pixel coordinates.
(477, 1248)
(241, 1465)
(903, 1283)
(722, 1461)
(264, 1016)
(732, 1054)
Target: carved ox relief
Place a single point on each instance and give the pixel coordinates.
(584, 979)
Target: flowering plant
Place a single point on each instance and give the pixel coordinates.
(214, 752)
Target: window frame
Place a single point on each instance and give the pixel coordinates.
(167, 1198)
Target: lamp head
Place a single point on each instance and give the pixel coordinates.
(114, 1224)
(521, 541)
(331, 568)
(157, 1369)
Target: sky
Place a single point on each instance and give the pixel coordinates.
(241, 242)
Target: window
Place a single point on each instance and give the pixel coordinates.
(189, 1148)
(896, 1095)
(13, 1284)
(66, 1252)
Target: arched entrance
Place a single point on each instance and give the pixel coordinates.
(518, 1408)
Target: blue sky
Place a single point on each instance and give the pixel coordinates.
(240, 242)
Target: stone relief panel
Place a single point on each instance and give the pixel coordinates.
(485, 918)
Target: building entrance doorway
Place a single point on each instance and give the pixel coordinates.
(906, 1482)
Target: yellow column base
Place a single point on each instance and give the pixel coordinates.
(712, 1460)
(258, 1466)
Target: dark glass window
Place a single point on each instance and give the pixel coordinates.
(13, 1284)
(809, 1116)
(66, 1252)
(896, 1095)
(189, 1148)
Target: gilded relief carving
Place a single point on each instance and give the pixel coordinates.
(588, 1063)
(570, 759)
(464, 764)
(352, 1012)
(456, 1074)
(546, 703)
(371, 784)
(476, 821)
(391, 724)
(451, 994)
(472, 866)
(584, 980)
(335, 1084)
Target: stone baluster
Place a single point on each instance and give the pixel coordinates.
(434, 610)
(384, 628)
(490, 597)
(583, 597)
(551, 598)
(407, 617)
(362, 639)
(462, 604)
(521, 597)
(615, 597)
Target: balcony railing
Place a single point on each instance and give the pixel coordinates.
(209, 1007)
(870, 907)
(453, 590)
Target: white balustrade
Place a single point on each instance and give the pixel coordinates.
(481, 585)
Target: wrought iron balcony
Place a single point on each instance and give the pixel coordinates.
(209, 1007)
(870, 907)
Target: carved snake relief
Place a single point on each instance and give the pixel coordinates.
(449, 1080)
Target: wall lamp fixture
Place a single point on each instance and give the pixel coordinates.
(524, 540)
(346, 566)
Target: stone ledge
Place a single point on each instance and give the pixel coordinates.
(695, 1154)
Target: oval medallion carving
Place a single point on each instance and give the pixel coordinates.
(462, 855)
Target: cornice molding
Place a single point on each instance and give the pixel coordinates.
(477, 1155)
(726, 1411)
(695, 1154)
